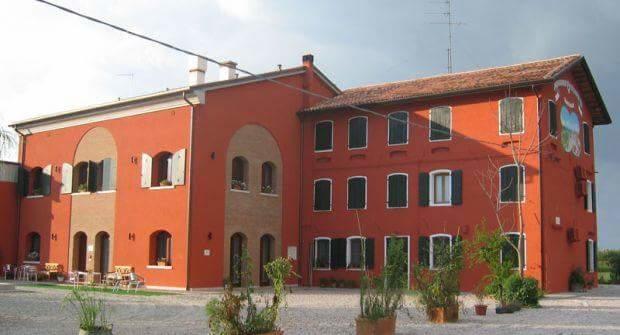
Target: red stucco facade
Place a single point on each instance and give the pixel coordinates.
(194, 213)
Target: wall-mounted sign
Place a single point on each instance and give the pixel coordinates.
(569, 103)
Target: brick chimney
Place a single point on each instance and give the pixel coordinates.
(308, 60)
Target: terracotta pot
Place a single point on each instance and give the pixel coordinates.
(481, 309)
(102, 331)
(384, 326)
(444, 314)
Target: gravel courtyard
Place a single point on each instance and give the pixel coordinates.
(33, 310)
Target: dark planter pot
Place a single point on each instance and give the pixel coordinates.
(515, 307)
(503, 310)
(576, 287)
(481, 310)
(101, 331)
(384, 326)
(443, 314)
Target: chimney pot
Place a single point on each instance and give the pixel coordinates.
(197, 70)
(308, 60)
(228, 70)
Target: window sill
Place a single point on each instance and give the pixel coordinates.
(440, 205)
(397, 207)
(32, 262)
(155, 188)
(80, 193)
(355, 149)
(354, 269)
(323, 151)
(239, 191)
(391, 145)
(357, 209)
(273, 195)
(157, 267)
(321, 210)
(321, 269)
(34, 196)
(104, 192)
(440, 140)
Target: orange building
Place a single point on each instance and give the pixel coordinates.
(176, 184)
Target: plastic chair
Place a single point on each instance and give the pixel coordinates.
(134, 280)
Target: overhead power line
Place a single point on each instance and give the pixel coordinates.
(249, 73)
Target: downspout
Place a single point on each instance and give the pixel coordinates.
(301, 251)
(543, 268)
(21, 159)
(189, 188)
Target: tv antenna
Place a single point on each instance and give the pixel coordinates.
(450, 22)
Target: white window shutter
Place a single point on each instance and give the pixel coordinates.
(46, 180)
(147, 163)
(178, 168)
(67, 178)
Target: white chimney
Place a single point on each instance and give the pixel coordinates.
(197, 70)
(228, 70)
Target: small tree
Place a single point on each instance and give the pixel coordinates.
(7, 142)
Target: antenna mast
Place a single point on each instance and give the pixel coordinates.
(450, 23)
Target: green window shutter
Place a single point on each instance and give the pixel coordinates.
(323, 136)
(423, 189)
(595, 256)
(357, 132)
(586, 138)
(398, 125)
(424, 252)
(441, 120)
(511, 114)
(92, 176)
(457, 244)
(587, 255)
(397, 191)
(593, 199)
(553, 119)
(509, 183)
(357, 193)
(339, 253)
(457, 187)
(46, 180)
(23, 181)
(322, 195)
(370, 253)
(105, 177)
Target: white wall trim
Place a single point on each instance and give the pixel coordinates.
(499, 116)
(431, 247)
(432, 188)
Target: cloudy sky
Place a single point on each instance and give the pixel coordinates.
(51, 61)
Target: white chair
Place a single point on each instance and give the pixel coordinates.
(134, 280)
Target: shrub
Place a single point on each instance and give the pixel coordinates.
(323, 282)
(522, 290)
(611, 258)
(382, 296)
(576, 277)
(91, 311)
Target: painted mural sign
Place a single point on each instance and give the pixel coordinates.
(569, 103)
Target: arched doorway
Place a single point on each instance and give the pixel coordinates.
(237, 243)
(102, 249)
(266, 255)
(79, 251)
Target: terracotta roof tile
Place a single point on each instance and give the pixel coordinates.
(450, 83)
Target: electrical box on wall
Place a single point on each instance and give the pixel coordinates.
(292, 253)
(206, 252)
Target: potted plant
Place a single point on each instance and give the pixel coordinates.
(165, 182)
(577, 280)
(382, 296)
(439, 288)
(82, 188)
(480, 307)
(92, 313)
(238, 185)
(266, 189)
(37, 191)
(239, 314)
(60, 277)
(32, 256)
(162, 261)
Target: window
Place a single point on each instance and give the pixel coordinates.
(591, 254)
(162, 169)
(398, 128)
(440, 250)
(239, 176)
(358, 131)
(323, 195)
(398, 192)
(508, 253)
(440, 188)
(440, 124)
(553, 119)
(511, 116)
(586, 138)
(81, 177)
(322, 253)
(354, 252)
(323, 136)
(589, 199)
(509, 192)
(161, 244)
(267, 178)
(36, 178)
(356, 193)
(33, 247)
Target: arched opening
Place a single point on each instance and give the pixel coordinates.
(161, 248)
(267, 243)
(80, 177)
(33, 247)
(268, 185)
(79, 251)
(239, 180)
(162, 169)
(102, 252)
(36, 186)
(237, 244)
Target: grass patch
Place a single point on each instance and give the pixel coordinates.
(108, 290)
